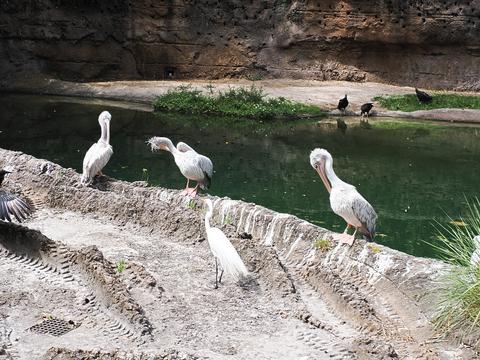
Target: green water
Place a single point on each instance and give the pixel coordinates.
(410, 174)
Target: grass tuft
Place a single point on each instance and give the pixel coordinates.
(249, 102)
(322, 244)
(458, 305)
(374, 248)
(410, 102)
(121, 266)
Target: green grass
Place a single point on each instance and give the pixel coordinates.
(322, 244)
(458, 306)
(121, 266)
(249, 102)
(410, 102)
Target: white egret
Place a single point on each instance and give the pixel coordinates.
(223, 250)
(345, 200)
(192, 165)
(99, 153)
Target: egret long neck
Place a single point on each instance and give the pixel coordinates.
(208, 215)
(105, 137)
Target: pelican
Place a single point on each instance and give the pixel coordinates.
(345, 200)
(475, 259)
(11, 205)
(223, 250)
(99, 153)
(192, 165)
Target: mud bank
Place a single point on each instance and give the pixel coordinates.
(324, 94)
(364, 302)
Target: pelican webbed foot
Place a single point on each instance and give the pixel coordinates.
(344, 238)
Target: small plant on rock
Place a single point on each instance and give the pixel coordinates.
(121, 266)
(322, 244)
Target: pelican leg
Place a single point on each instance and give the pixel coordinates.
(346, 229)
(193, 192)
(344, 238)
(216, 274)
(187, 189)
(100, 173)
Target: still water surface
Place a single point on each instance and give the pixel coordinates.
(411, 174)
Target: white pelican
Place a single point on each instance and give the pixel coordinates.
(11, 205)
(345, 200)
(99, 153)
(475, 259)
(223, 250)
(192, 165)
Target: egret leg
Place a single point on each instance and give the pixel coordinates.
(220, 279)
(216, 274)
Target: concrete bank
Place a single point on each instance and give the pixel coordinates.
(366, 302)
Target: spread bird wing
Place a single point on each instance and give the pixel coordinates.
(365, 213)
(13, 206)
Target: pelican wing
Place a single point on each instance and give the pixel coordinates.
(206, 165)
(226, 254)
(182, 147)
(95, 160)
(13, 206)
(365, 213)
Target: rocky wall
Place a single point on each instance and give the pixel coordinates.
(427, 43)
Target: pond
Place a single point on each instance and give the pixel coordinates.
(412, 173)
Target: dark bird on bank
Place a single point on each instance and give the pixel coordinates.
(423, 97)
(11, 205)
(342, 104)
(365, 109)
(341, 125)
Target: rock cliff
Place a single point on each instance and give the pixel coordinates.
(428, 43)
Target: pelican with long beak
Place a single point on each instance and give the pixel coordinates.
(191, 164)
(99, 153)
(345, 200)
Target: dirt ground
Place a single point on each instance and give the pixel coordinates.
(324, 94)
(129, 270)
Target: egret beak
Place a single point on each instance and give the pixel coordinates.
(321, 171)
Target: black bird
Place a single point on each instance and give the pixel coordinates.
(341, 125)
(12, 205)
(342, 104)
(365, 109)
(423, 97)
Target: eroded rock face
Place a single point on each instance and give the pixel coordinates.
(430, 43)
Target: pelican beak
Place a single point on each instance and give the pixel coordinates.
(164, 147)
(321, 171)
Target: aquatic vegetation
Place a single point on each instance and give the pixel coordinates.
(410, 102)
(322, 244)
(458, 306)
(249, 102)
